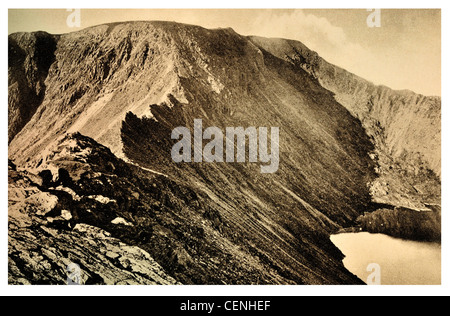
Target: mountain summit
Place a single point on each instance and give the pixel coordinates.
(90, 121)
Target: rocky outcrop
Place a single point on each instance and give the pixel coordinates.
(42, 255)
(44, 240)
(404, 223)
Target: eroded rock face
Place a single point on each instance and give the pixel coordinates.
(405, 127)
(404, 223)
(41, 255)
(29, 58)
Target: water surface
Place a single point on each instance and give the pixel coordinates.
(401, 262)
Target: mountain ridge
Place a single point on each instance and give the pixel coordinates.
(127, 85)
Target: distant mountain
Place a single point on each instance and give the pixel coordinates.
(90, 121)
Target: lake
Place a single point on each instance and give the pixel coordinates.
(381, 259)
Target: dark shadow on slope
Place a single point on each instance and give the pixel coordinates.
(29, 59)
(285, 218)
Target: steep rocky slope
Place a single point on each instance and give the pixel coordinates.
(50, 227)
(125, 225)
(29, 58)
(128, 85)
(405, 127)
(96, 76)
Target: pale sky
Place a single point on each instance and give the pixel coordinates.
(404, 53)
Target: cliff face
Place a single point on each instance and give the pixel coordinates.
(403, 124)
(29, 58)
(405, 127)
(126, 86)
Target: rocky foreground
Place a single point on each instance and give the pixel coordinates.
(117, 221)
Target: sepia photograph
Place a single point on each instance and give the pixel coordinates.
(224, 147)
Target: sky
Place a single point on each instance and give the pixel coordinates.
(403, 53)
